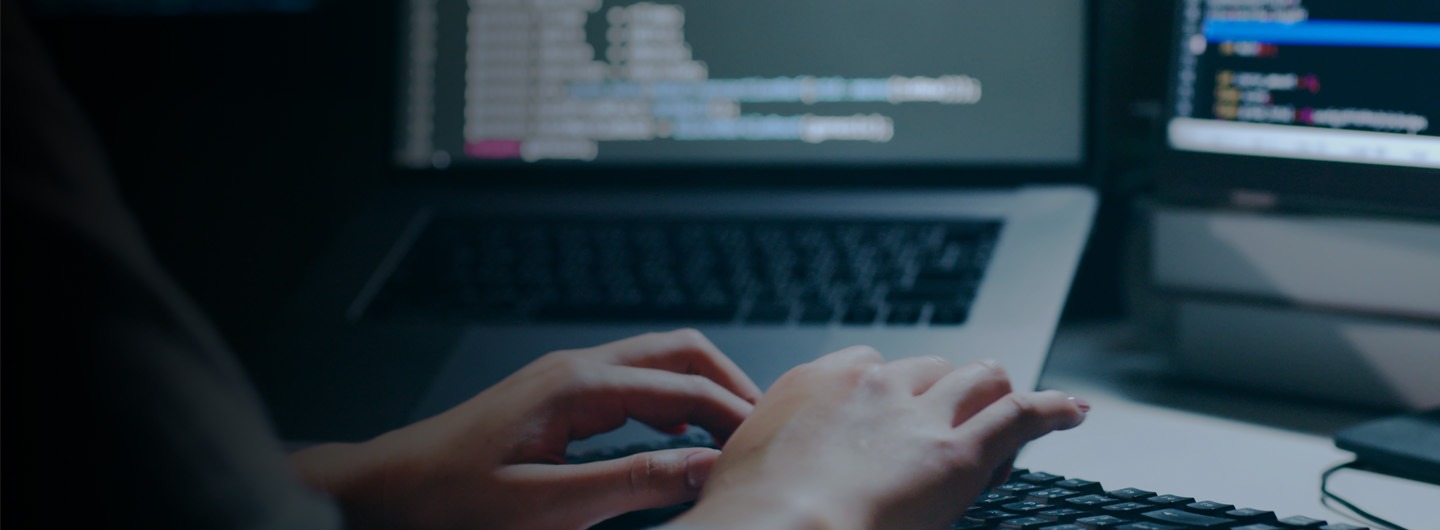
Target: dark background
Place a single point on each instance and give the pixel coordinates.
(244, 142)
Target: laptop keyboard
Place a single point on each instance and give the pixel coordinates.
(1035, 500)
(768, 271)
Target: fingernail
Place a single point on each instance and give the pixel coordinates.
(1084, 405)
(697, 469)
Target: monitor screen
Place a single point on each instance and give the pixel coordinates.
(896, 82)
(1333, 80)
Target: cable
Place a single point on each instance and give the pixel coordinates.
(1326, 496)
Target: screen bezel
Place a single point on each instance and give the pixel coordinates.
(1084, 171)
(1198, 178)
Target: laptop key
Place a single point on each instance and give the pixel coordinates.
(949, 315)
(860, 315)
(903, 314)
(768, 313)
(817, 314)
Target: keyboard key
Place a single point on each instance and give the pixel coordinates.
(1210, 507)
(1257, 526)
(817, 314)
(1040, 477)
(1100, 521)
(1066, 526)
(1015, 488)
(989, 516)
(949, 315)
(1026, 507)
(1169, 500)
(903, 314)
(1250, 515)
(1091, 500)
(1049, 495)
(1184, 518)
(1300, 521)
(1145, 525)
(1343, 526)
(992, 499)
(1062, 514)
(1128, 507)
(1024, 523)
(768, 313)
(1127, 494)
(1080, 485)
(860, 315)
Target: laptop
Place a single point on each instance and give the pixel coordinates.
(789, 179)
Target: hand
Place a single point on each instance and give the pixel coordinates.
(849, 441)
(498, 460)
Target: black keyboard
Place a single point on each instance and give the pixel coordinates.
(1035, 500)
(773, 271)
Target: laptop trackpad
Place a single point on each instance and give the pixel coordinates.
(487, 354)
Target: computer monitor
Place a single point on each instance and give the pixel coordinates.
(1328, 104)
(583, 83)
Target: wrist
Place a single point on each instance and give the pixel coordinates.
(759, 509)
(360, 478)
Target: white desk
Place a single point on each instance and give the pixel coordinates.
(1148, 432)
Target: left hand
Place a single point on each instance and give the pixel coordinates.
(498, 460)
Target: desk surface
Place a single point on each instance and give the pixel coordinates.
(1150, 431)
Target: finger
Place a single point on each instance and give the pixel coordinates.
(1002, 473)
(849, 357)
(1016, 419)
(918, 373)
(605, 396)
(605, 489)
(684, 351)
(969, 389)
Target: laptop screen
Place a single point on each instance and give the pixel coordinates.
(953, 83)
(1334, 80)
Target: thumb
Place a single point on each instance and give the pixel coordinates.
(641, 481)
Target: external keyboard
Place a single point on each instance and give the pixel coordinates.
(702, 270)
(1035, 500)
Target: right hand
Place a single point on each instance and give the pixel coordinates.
(849, 441)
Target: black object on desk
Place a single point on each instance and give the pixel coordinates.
(1405, 446)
